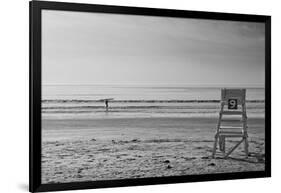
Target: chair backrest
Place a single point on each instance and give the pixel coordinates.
(237, 95)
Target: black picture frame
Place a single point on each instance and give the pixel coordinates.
(35, 9)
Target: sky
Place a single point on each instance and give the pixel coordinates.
(96, 48)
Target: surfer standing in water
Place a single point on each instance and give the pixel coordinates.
(106, 101)
(106, 104)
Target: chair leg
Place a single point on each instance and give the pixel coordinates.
(215, 146)
(222, 144)
(246, 145)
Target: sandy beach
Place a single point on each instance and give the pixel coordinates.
(117, 148)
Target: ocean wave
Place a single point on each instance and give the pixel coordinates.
(138, 101)
(123, 107)
(138, 107)
(122, 111)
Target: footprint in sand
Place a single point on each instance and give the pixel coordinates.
(189, 158)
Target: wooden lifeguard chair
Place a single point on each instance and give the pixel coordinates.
(232, 121)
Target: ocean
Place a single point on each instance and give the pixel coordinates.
(85, 101)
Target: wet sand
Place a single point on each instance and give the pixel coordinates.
(119, 148)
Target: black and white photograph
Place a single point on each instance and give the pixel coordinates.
(137, 96)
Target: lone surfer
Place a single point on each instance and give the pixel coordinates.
(106, 104)
(106, 101)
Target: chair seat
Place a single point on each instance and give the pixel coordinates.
(231, 128)
(231, 120)
(225, 112)
(231, 134)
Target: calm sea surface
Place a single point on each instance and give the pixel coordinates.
(85, 101)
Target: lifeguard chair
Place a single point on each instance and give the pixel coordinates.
(232, 121)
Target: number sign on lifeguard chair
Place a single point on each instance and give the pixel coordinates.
(232, 121)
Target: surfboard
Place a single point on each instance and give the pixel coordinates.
(108, 99)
